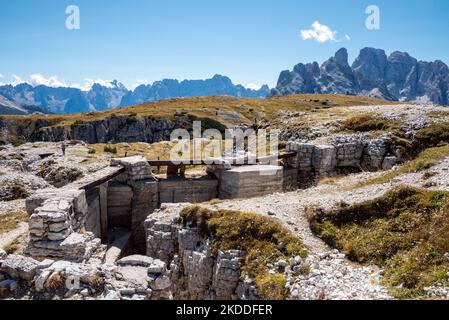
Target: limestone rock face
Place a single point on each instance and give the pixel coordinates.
(195, 271)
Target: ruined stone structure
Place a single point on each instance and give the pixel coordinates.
(195, 271)
(317, 161)
(109, 230)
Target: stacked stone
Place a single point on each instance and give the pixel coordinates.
(159, 280)
(375, 152)
(227, 273)
(56, 217)
(324, 160)
(303, 159)
(349, 154)
(137, 167)
(56, 225)
(188, 190)
(318, 161)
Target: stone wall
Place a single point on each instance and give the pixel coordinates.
(193, 190)
(57, 224)
(343, 153)
(145, 197)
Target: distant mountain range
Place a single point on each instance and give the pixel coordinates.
(398, 77)
(25, 98)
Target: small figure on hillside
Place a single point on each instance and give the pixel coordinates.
(63, 148)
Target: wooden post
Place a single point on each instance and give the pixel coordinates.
(104, 211)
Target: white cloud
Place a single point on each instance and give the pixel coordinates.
(253, 86)
(90, 82)
(319, 32)
(348, 37)
(1, 77)
(53, 81)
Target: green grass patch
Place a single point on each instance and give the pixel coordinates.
(367, 123)
(17, 141)
(404, 231)
(263, 239)
(110, 149)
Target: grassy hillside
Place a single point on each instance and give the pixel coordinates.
(227, 110)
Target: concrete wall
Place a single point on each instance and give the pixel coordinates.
(119, 205)
(250, 181)
(178, 190)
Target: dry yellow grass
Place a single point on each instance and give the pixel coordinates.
(227, 110)
(10, 221)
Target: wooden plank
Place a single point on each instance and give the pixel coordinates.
(102, 180)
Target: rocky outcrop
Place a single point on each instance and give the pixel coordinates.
(196, 271)
(113, 129)
(397, 77)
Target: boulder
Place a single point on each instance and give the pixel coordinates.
(157, 267)
(3, 254)
(136, 260)
(19, 267)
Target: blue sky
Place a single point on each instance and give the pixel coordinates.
(250, 41)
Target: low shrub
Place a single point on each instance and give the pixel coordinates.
(366, 123)
(110, 149)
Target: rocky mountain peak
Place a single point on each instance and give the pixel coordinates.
(341, 57)
(398, 76)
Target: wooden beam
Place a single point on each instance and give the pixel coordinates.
(102, 180)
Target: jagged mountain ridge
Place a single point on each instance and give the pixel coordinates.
(104, 97)
(397, 77)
